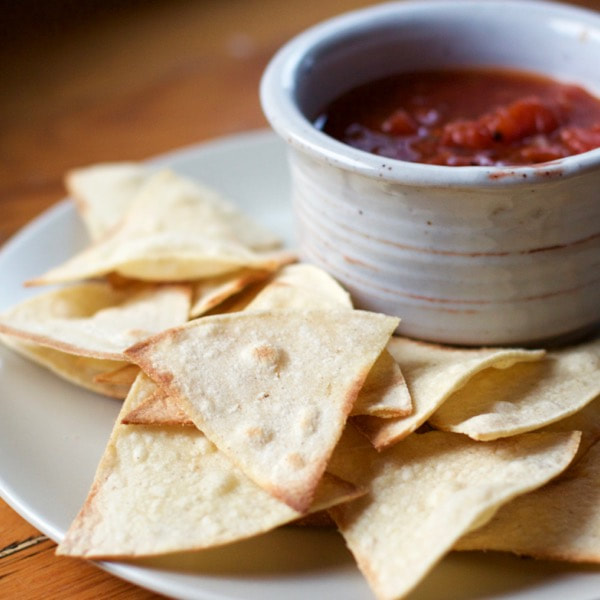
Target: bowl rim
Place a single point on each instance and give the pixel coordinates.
(277, 87)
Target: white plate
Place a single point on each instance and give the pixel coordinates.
(52, 435)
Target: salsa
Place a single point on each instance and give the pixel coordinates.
(466, 117)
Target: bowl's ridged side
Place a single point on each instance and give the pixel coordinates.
(467, 267)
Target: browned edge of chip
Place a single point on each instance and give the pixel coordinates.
(159, 409)
(69, 348)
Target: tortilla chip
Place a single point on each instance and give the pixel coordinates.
(159, 490)
(560, 521)
(385, 392)
(301, 286)
(104, 192)
(239, 301)
(79, 370)
(272, 389)
(498, 404)
(158, 409)
(586, 420)
(124, 375)
(433, 373)
(95, 320)
(305, 286)
(175, 230)
(211, 292)
(425, 492)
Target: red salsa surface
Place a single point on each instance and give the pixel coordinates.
(466, 117)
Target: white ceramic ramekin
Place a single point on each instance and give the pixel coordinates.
(464, 255)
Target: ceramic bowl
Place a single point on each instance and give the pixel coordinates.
(463, 255)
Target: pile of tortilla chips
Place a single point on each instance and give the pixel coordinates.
(255, 395)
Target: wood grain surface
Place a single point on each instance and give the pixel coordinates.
(90, 81)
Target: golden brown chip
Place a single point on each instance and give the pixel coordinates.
(175, 230)
(104, 192)
(560, 521)
(526, 397)
(301, 286)
(433, 373)
(124, 375)
(425, 492)
(305, 286)
(158, 409)
(586, 420)
(96, 320)
(385, 393)
(79, 370)
(212, 291)
(159, 490)
(271, 389)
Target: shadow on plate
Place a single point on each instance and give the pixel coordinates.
(479, 575)
(287, 550)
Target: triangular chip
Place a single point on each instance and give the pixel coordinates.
(301, 286)
(104, 192)
(425, 492)
(124, 375)
(79, 370)
(158, 409)
(433, 373)
(586, 420)
(498, 404)
(385, 393)
(159, 490)
(560, 521)
(271, 389)
(212, 291)
(174, 230)
(305, 286)
(95, 320)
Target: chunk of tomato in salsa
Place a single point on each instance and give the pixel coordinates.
(467, 117)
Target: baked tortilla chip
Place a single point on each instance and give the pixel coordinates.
(385, 393)
(174, 230)
(433, 373)
(124, 375)
(560, 521)
(104, 192)
(382, 394)
(272, 390)
(159, 490)
(211, 292)
(96, 320)
(301, 286)
(305, 286)
(586, 420)
(79, 370)
(425, 492)
(498, 404)
(158, 409)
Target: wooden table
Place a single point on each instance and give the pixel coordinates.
(85, 82)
